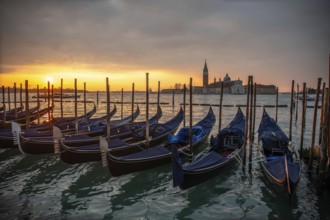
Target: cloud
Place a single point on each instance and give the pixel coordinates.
(6, 69)
(260, 37)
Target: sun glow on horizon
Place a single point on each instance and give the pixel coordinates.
(49, 79)
(95, 79)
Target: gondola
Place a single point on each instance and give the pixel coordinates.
(7, 138)
(43, 142)
(117, 130)
(7, 132)
(87, 124)
(225, 149)
(161, 154)
(35, 115)
(12, 111)
(87, 153)
(80, 125)
(20, 117)
(65, 122)
(276, 159)
(57, 96)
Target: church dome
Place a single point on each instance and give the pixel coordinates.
(226, 78)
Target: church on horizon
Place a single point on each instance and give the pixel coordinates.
(229, 86)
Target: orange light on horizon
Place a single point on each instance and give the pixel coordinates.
(49, 79)
(95, 79)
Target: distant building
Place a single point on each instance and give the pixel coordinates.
(229, 86)
(264, 89)
(205, 75)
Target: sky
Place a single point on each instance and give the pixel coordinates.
(275, 41)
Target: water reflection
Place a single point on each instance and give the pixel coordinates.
(139, 186)
(203, 194)
(87, 190)
(40, 186)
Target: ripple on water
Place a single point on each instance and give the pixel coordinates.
(42, 187)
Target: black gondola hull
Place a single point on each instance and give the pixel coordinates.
(7, 142)
(32, 146)
(194, 178)
(118, 167)
(71, 156)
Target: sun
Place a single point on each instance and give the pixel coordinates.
(49, 79)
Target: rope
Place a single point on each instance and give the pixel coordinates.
(239, 160)
(139, 146)
(185, 153)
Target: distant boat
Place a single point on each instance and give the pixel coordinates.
(308, 98)
(57, 96)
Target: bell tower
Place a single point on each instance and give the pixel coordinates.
(205, 75)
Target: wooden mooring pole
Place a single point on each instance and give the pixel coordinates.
(85, 109)
(291, 110)
(254, 110)
(303, 122)
(220, 106)
(321, 114)
(38, 103)
(108, 107)
(250, 122)
(251, 111)
(184, 105)
(27, 112)
(276, 104)
(61, 98)
(173, 98)
(147, 109)
(4, 104)
(97, 98)
(20, 95)
(48, 89)
(45, 93)
(327, 176)
(311, 149)
(246, 130)
(75, 99)
(132, 101)
(122, 104)
(190, 119)
(9, 98)
(52, 102)
(324, 141)
(297, 102)
(158, 97)
(15, 100)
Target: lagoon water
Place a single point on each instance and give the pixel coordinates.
(43, 187)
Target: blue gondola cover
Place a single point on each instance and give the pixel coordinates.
(183, 135)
